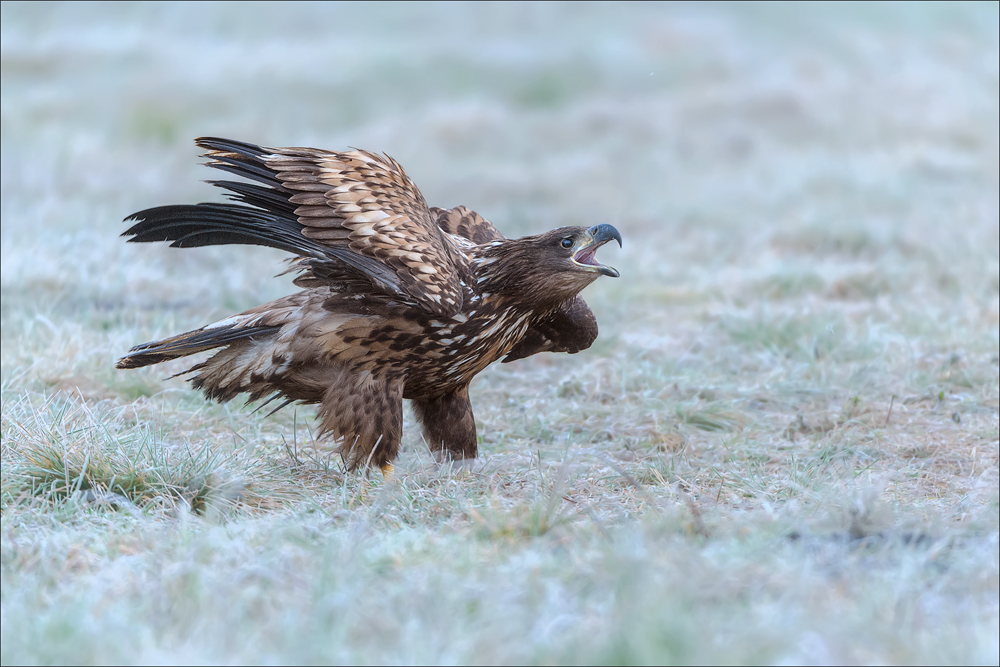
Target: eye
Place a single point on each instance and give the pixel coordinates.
(566, 242)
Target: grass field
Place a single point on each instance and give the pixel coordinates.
(783, 448)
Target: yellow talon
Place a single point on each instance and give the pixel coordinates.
(388, 472)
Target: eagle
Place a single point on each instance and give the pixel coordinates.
(398, 300)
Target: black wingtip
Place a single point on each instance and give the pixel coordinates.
(231, 146)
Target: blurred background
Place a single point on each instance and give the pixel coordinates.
(805, 333)
(759, 158)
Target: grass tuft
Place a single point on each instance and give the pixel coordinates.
(711, 417)
(67, 450)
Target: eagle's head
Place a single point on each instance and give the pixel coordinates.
(550, 267)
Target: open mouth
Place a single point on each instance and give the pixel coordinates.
(587, 256)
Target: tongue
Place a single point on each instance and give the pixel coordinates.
(586, 256)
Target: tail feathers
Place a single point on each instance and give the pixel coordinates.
(249, 362)
(194, 225)
(249, 367)
(191, 342)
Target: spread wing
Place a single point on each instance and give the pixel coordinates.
(353, 215)
(367, 203)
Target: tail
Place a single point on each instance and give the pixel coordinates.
(226, 332)
(247, 364)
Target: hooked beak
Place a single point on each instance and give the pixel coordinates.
(586, 256)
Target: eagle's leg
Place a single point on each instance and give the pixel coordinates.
(449, 426)
(365, 413)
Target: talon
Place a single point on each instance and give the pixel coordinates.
(388, 472)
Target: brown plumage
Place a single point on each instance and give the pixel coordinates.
(398, 300)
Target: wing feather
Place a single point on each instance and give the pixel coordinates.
(365, 208)
(571, 328)
(464, 222)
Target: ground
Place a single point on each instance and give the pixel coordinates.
(783, 447)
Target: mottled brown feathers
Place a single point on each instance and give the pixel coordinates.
(466, 224)
(571, 328)
(399, 300)
(368, 204)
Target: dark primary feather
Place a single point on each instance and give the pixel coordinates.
(270, 199)
(240, 158)
(194, 225)
(231, 146)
